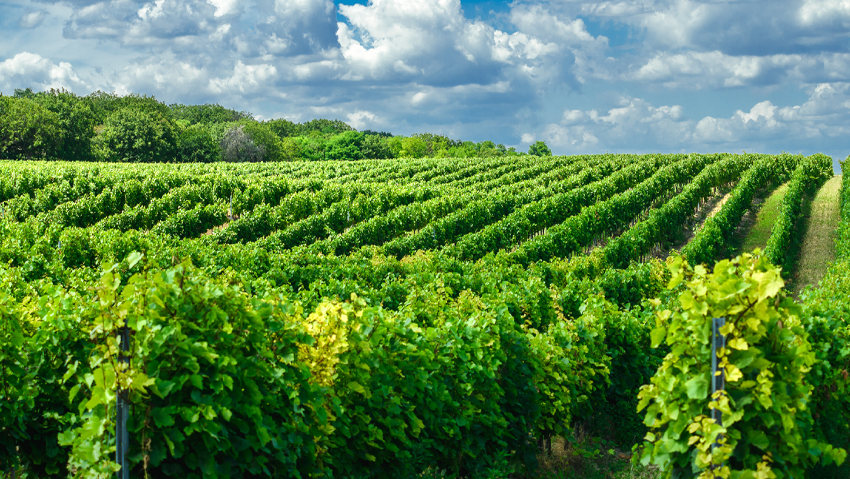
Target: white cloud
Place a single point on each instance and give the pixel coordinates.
(308, 26)
(360, 119)
(634, 121)
(245, 79)
(224, 7)
(550, 27)
(675, 25)
(699, 70)
(432, 42)
(572, 137)
(169, 76)
(211, 27)
(32, 19)
(321, 70)
(32, 70)
(826, 102)
(814, 12)
(819, 124)
(758, 123)
(412, 32)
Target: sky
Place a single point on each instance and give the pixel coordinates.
(585, 77)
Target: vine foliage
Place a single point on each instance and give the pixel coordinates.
(767, 428)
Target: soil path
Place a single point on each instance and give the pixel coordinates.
(818, 249)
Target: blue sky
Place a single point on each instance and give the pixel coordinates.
(586, 77)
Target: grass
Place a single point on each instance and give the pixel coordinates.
(818, 249)
(581, 456)
(768, 213)
(589, 458)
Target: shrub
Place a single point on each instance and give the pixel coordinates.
(254, 141)
(28, 130)
(77, 120)
(207, 113)
(106, 104)
(539, 148)
(325, 127)
(283, 128)
(211, 379)
(311, 147)
(263, 136)
(376, 147)
(237, 146)
(197, 145)
(345, 146)
(767, 428)
(137, 136)
(413, 147)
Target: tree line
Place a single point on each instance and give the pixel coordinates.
(58, 124)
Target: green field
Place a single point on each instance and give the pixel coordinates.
(422, 317)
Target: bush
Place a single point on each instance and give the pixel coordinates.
(767, 429)
(77, 120)
(137, 136)
(539, 148)
(465, 150)
(345, 146)
(311, 147)
(263, 136)
(254, 141)
(197, 145)
(212, 381)
(413, 147)
(28, 130)
(376, 147)
(283, 128)
(207, 113)
(106, 104)
(325, 127)
(237, 146)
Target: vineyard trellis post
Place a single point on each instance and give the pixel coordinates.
(718, 378)
(122, 436)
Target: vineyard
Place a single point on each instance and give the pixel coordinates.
(426, 317)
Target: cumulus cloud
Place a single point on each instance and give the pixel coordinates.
(178, 22)
(306, 25)
(823, 120)
(818, 124)
(752, 28)
(569, 35)
(166, 77)
(635, 121)
(412, 40)
(431, 42)
(759, 123)
(245, 79)
(361, 119)
(32, 70)
(820, 12)
(698, 70)
(209, 27)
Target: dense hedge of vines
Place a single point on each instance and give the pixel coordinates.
(277, 333)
